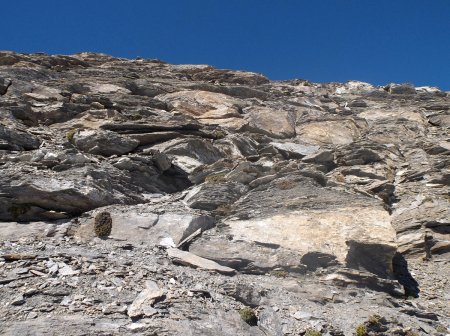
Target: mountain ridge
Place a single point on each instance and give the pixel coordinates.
(226, 190)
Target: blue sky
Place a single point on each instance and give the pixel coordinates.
(325, 40)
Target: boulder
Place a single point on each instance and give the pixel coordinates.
(298, 225)
(13, 139)
(271, 122)
(335, 132)
(104, 143)
(190, 153)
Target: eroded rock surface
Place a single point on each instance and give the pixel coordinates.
(317, 206)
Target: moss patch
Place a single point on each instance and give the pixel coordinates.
(248, 316)
(71, 133)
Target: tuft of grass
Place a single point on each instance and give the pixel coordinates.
(71, 133)
(361, 330)
(312, 332)
(441, 329)
(248, 316)
(411, 333)
(279, 273)
(374, 320)
(215, 178)
(285, 185)
(219, 134)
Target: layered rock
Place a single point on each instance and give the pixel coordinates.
(224, 190)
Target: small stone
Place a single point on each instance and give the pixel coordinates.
(144, 301)
(18, 300)
(301, 315)
(136, 327)
(21, 270)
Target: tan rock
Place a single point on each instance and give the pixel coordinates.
(208, 107)
(343, 233)
(272, 122)
(336, 132)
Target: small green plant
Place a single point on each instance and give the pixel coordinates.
(248, 316)
(441, 329)
(312, 332)
(285, 185)
(17, 210)
(411, 333)
(223, 210)
(361, 330)
(279, 273)
(215, 178)
(374, 320)
(219, 134)
(71, 133)
(103, 224)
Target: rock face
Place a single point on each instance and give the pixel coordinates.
(318, 206)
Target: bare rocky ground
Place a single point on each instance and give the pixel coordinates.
(239, 205)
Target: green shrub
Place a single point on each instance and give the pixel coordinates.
(71, 133)
(361, 330)
(248, 316)
(215, 178)
(374, 320)
(103, 224)
(279, 273)
(441, 329)
(219, 134)
(411, 333)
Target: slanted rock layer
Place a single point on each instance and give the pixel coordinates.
(319, 206)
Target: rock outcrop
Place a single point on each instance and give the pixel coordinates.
(317, 206)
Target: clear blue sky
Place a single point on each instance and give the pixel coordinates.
(378, 41)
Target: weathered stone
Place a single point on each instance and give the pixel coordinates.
(142, 304)
(103, 142)
(209, 196)
(271, 122)
(12, 139)
(320, 197)
(186, 258)
(336, 132)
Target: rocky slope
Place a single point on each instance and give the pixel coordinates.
(322, 209)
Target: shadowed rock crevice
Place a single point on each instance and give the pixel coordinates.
(404, 277)
(366, 257)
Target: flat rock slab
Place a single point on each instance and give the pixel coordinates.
(357, 237)
(139, 226)
(142, 305)
(189, 259)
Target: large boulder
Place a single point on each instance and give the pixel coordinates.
(298, 225)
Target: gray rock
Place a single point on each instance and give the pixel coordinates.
(186, 258)
(103, 142)
(315, 197)
(210, 196)
(12, 139)
(142, 304)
